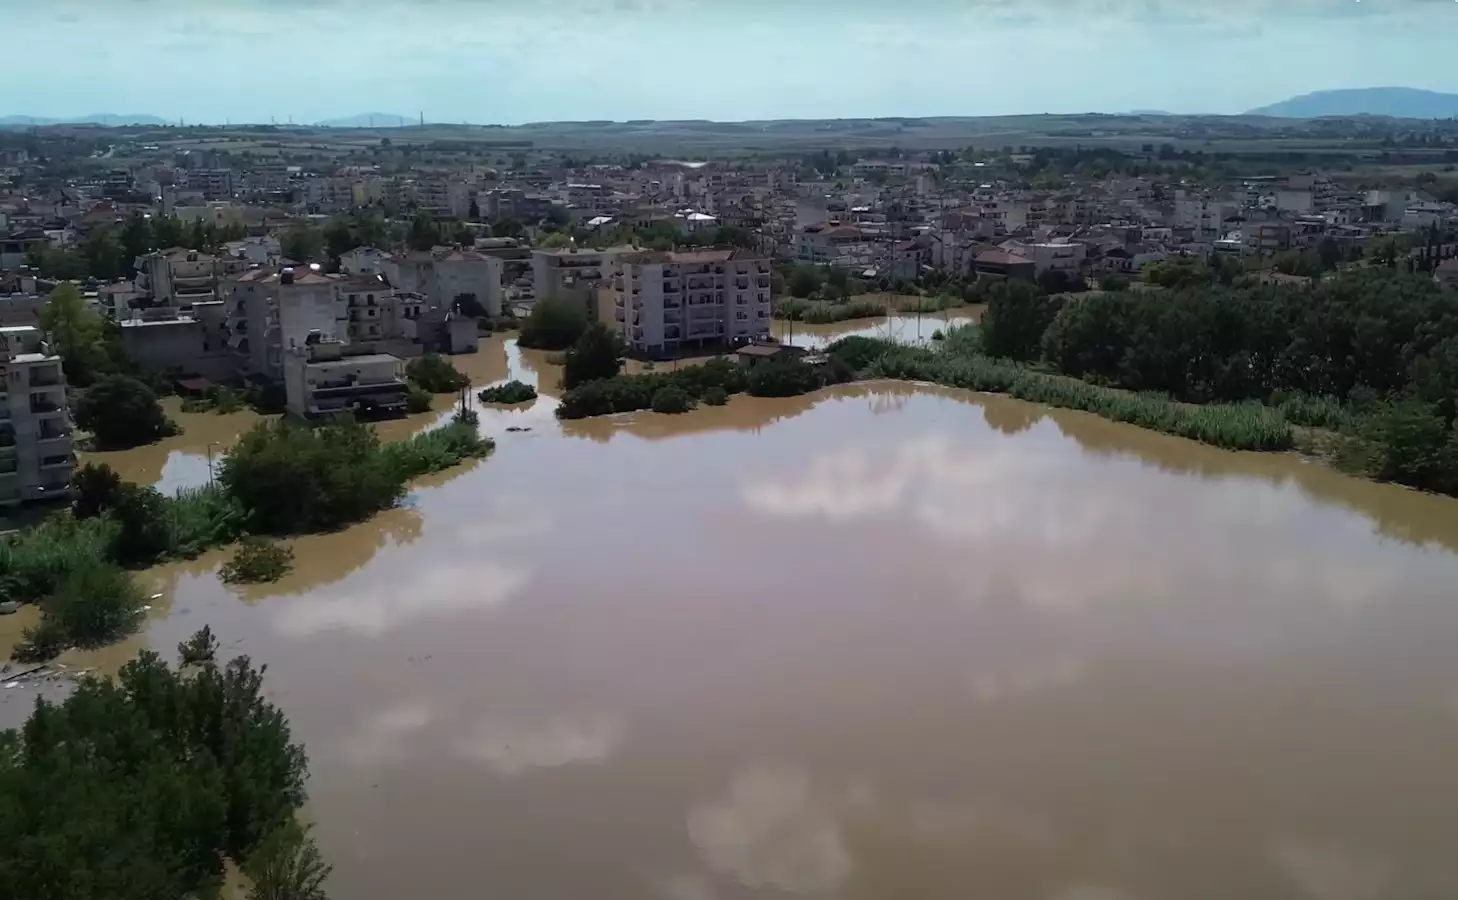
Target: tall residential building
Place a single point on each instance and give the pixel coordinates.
(36, 458)
(445, 276)
(661, 302)
(179, 277)
(271, 310)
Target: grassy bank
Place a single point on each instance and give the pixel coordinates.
(1234, 426)
(283, 478)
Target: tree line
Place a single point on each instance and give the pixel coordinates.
(1381, 345)
(108, 253)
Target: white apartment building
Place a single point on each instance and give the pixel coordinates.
(178, 277)
(322, 378)
(660, 302)
(834, 244)
(1207, 217)
(446, 276)
(270, 311)
(36, 458)
(573, 272)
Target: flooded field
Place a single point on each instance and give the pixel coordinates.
(879, 642)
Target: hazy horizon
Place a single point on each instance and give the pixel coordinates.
(495, 62)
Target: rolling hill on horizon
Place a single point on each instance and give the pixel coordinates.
(1397, 102)
(109, 120)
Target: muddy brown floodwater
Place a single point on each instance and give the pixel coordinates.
(883, 642)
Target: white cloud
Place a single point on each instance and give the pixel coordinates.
(771, 831)
(510, 747)
(375, 610)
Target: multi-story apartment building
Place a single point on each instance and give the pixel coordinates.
(662, 302)
(571, 273)
(325, 377)
(179, 277)
(270, 311)
(36, 458)
(445, 277)
(834, 244)
(215, 184)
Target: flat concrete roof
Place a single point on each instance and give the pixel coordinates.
(354, 360)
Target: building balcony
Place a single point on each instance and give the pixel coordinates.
(49, 376)
(58, 461)
(43, 407)
(9, 466)
(346, 387)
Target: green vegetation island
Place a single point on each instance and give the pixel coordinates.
(1359, 369)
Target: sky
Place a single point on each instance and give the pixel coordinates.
(514, 61)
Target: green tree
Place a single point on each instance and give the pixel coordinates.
(121, 412)
(200, 236)
(597, 354)
(1329, 252)
(287, 866)
(424, 232)
(103, 254)
(77, 331)
(143, 535)
(136, 237)
(167, 232)
(302, 242)
(94, 490)
(292, 479)
(671, 399)
(434, 373)
(142, 786)
(462, 235)
(56, 262)
(370, 231)
(508, 228)
(339, 238)
(804, 281)
(1017, 315)
(555, 241)
(553, 324)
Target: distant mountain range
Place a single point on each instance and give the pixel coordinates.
(368, 120)
(110, 120)
(1397, 102)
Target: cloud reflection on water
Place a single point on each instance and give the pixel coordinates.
(1065, 532)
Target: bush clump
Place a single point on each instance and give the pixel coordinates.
(553, 325)
(291, 478)
(783, 378)
(418, 400)
(94, 605)
(434, 373)
(715, 396)
(510, 392)
(672, 399)
(200, 649)
(258, 560)
(626, 393)
(122, 412)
